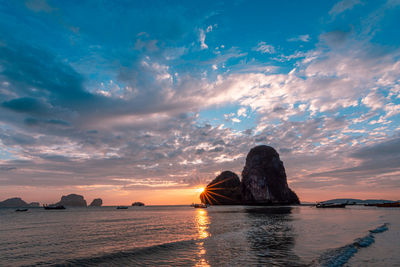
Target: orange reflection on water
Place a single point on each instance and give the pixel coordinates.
(202, 222)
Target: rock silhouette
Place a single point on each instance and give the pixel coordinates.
(223, 190)
(14, 202)
(263, 182)
(97, 202)
(138, 203)
(72, 200)
(264, 179)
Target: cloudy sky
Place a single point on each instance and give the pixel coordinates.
(147, 100)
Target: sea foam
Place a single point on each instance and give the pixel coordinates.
(339, 256)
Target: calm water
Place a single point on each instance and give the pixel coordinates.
(217, 236)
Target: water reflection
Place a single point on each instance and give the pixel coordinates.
(271, 236)
(202, 222)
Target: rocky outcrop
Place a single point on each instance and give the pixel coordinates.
(223, 190)
(97, 202)
(14, 202)
(264, 179)
(138, 204)
(72, 200)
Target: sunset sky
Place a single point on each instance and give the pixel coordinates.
(148, 100)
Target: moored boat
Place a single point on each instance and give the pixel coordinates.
(201, 205)
(54, 207)
(122, 207)
(330, 205)
(19, 210)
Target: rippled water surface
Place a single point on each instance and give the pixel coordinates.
(217, 236)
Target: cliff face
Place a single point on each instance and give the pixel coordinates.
(97, 202)
(264, 179)
(223, 190)
(72, 200)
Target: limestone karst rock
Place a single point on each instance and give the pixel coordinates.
(72, 200)
(223, 190)
(14, 202)
(264, 179)
(97, 202)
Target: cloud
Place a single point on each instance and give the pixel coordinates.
(301, 38)
(264, 48)
(26, 105)
(202, 39)
(343, 6)
(242, 112)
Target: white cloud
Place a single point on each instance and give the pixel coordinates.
(302, 38)
(242, 112)
(373, 100)
(202, 39)
(264, 48)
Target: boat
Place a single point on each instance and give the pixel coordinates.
(330, 205)
(138, 204)
(389, 205)
(371, 204)
(54, 207)
(201, 205)
(19, 210)
(122, 207)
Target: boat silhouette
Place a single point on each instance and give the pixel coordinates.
(54, 207)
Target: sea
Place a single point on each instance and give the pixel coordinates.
(186, 236)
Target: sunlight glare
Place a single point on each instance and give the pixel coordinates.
(200, 189)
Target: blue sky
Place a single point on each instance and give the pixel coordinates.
(123, 97)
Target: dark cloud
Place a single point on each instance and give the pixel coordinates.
(386, 149)
(25, 105)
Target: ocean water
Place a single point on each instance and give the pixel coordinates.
(216, 236)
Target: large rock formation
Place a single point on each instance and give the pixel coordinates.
(97, 202)
(223, 190)
(14, 202)
(72, 200)
(264, 179)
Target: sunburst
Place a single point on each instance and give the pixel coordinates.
(208, 192)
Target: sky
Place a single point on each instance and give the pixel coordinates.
(149, 100)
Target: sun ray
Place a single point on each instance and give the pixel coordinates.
(224, 180)
(220, 195)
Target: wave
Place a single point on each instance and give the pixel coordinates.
(339, 256)
(136, 256)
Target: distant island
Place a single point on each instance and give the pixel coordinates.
(355, 201)
(71, 200)
(97, 202)
(75, 200)
(138, 204)
(17, 202)
(263, 182)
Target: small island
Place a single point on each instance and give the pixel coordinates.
(17, 202)
(137, 204)
(97, 202)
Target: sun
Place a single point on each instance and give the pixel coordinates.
(200, 189)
